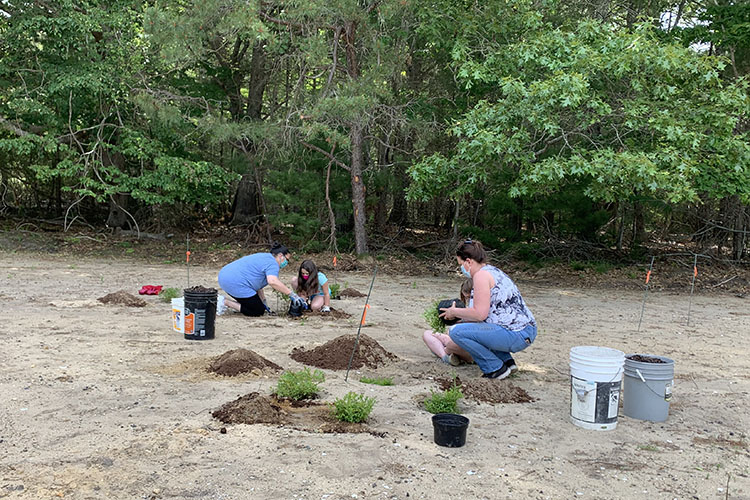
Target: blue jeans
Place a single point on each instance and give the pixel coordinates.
(490, 345)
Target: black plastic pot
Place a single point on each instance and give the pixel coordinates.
(450, 429)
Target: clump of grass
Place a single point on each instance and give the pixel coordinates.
(432, 316)
(167, 294)
(445, 401)
(377, 380)
(353, 407)
(299, 385)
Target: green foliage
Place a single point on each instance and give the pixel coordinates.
(445, 401)
(167, 294)
(353, 407)
(334, 289)
(432, 316)
(298, 385)
(377, 380)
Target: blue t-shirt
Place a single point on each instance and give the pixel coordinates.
(244, 277)
(322, 280)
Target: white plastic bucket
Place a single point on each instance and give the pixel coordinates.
(178, 315)
(595, 384)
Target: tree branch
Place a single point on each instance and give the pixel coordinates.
(327, 155)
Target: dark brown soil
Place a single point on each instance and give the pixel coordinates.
(254, 408)
(122, 298)
(238, 361)
(200, 289)
(333, 315)
(250, 409)
(489, 391)
(351, 292)
(334, 355)
(645, 359)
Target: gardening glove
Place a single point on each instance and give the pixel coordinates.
(325, 309)
(297, 300)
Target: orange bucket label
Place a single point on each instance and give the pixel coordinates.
(189, 319)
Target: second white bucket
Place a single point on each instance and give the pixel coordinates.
(178, 314)
(595, 384)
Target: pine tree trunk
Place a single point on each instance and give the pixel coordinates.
(358, 189)
(245, 207)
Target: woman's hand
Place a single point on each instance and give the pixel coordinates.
(449, 313)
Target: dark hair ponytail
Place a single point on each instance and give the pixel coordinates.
(277, 248)
(471, 249)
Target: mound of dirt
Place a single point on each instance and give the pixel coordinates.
(351, 292)
(333, 315)
(251, 408)
(488, 390)
(122, 298)
(238, 361)
(334, 355)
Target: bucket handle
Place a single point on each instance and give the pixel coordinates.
(581, 393)
(667, 397)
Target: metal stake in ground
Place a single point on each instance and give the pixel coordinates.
(692, 286)
(187, 259)
(362, 322)
(648, 278)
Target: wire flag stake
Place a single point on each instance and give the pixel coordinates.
(645, 293)
(187, 260)
(692, 286)
(362, 322)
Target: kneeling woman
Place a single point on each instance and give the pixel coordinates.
(498, 322)
(312, 285)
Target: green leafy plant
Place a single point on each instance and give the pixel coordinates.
(432, 317)
(335, 290)
(353, 407)
(377, 380)
(167, 294)
(445, 401)
(298, 385)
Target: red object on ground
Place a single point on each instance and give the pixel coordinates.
(150, 290)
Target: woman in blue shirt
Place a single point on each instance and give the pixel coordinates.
(245, 278)
(312, 285)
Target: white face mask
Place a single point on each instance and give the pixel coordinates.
(465, 272)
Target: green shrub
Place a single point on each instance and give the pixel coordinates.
(377, 380)
(335, 289)
(353, 407)
(167, 294)
(432, 317)
(444, 402)
(299, 385)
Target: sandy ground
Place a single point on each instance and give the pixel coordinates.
(103, 401)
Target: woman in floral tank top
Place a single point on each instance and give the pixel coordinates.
(498, 323)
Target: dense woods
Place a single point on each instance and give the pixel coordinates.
(347, 122)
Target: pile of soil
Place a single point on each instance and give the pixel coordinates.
(200, 289)
(309, 416)
(334, 314)
(122, 298)
(488, 390)
(334, 355)
(351, 292)
(238, 361)
(250, 409)
(645, 359)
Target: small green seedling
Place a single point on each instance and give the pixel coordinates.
(335, 290)
(444, 402)
(167, 294)
(353, 407)
(299, 385)
(377, 380)
(432, 317)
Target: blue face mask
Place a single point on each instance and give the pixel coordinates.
(283, 264)
(465, 272)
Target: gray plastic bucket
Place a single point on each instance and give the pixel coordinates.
(595, 382)
(648, 388)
